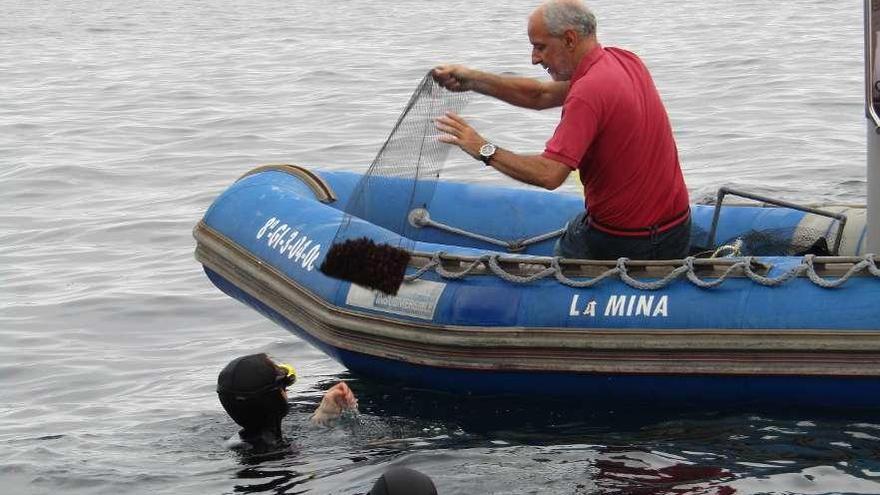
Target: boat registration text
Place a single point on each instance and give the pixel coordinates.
(290, 242)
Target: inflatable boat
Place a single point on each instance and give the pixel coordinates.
(778, 304)
(486, 308)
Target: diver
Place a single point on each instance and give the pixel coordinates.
(253, 391)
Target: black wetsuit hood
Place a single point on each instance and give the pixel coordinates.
(403, 481)
(249, 391)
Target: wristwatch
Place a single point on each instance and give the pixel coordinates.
(487, 151)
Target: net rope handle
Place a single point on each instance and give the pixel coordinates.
(493, 263)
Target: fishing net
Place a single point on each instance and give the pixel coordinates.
(405, 171)
(784, 241)
(401, 178)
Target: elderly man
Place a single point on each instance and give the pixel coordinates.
(614, 131)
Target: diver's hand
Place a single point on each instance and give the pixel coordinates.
(458, 132)
(454, 77)
(337, 399)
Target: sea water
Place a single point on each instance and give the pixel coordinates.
(121, 121)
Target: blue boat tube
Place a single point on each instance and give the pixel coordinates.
(488, 310)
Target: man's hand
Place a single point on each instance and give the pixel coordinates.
(459, 133)
(454, 77)
(336, 400)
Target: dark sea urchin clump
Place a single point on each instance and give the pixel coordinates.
(363, 262)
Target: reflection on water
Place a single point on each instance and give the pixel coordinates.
(512, 445)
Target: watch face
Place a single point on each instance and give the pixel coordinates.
(487, 149)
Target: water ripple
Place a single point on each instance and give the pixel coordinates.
(121, 122)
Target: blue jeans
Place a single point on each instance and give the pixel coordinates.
(582, 241)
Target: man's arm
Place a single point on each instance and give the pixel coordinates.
(531, 169)
(520, 91)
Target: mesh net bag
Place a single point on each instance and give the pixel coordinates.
(402, 177)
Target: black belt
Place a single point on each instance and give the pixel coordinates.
(651, 231)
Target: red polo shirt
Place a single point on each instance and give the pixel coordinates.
(615, 131)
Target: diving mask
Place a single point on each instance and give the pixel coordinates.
(288, 377)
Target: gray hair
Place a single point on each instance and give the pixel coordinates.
(560, 15)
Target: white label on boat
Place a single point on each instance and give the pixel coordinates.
(416, 299)
(622, 305)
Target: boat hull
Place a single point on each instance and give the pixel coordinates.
(611, 390)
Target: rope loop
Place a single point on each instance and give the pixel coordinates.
(435, 261)
(696, 280)
(657, 284)
(443, 272)
(834, 283)
(873, 269)
(770, 281)
(580, 284)
(497, 269)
